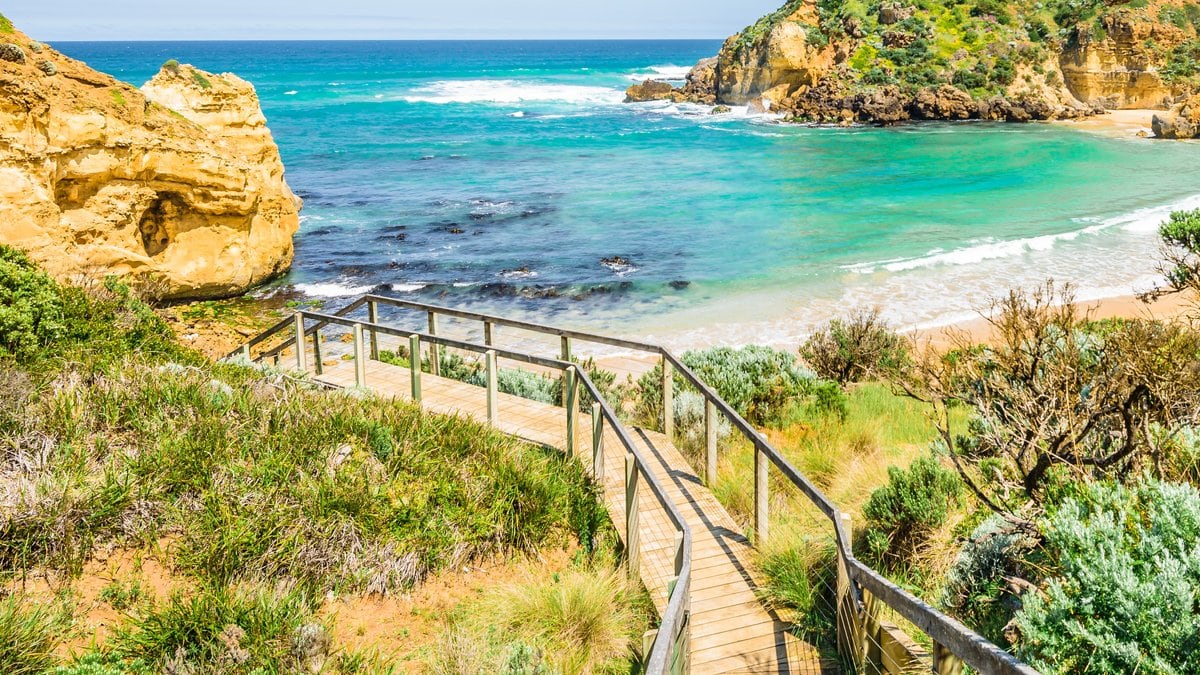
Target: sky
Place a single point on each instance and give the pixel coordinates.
(65, 20)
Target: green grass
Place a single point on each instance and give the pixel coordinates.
(586, 619)
(248, 473)
(238, 630)
(6, 26)
(29, 633)
(118, 97)
(200, 80)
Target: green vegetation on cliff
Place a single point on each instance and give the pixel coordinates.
(890, 60)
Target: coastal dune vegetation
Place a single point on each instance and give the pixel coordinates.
(163, 513)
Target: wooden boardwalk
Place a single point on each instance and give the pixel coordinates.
(731, 631)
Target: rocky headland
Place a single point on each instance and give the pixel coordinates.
(887, 62)
(178, 185)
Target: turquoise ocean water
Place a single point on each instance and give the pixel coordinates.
(501, 175)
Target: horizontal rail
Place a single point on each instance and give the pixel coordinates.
(975, 650)
(673, 618)
(972, 648)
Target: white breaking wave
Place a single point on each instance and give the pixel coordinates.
(290, 93)
(511, 92)
(332, 290)
(1140, 221)
(667, 72)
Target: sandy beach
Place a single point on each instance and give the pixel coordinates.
(1117, 123)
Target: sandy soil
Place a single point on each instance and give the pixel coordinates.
(1117, 123)
(979, 330)
(95, 618)
(407, 627)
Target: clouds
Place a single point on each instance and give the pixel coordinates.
(381, 19)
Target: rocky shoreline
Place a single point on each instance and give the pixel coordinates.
(814, 61)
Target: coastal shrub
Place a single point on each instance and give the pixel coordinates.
(758, 382)
(232, 630)
(1181, 233)
(1183, 64)
(1121, 598)
(980, 589)
(6, 26)
(31, 309)
(97, 663)
(29, 634)
(171, 65)
(854, 349)
(689, 420)
(1056, 399)
(900, 515)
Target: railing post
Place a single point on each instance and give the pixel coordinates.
(597, 443)
(570, 395)
(566, 348)
(373, 318)
(301, 357)
(492, 401)
(668, 380)
(852, 629)
(414, 366)
(710, 442)
(632, 541)
(945, 662)
(246, 352)
(678, 554)
(488, 332)
(318, 358)
(761, 515)
(435, 356)
(360, 357)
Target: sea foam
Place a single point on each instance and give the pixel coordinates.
(1146, 220)
(671, 73)
(504, 92)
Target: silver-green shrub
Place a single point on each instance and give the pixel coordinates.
(1124, 596)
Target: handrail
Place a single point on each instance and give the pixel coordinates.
(972, 648)
(674, 616)
(961, 641)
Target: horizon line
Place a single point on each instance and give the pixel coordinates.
(298, 40)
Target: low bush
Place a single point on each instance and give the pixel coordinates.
(1122, 594)
(854, 349)
(901, 514)
(31, 309)
(758, 382)
(980, 589)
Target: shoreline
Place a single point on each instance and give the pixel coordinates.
(979, 330)
(1122, 123)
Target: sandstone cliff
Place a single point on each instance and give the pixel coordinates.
(895, 60)
(180, 185)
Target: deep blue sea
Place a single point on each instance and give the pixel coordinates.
(502, 175)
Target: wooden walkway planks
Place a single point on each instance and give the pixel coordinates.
(731, 631)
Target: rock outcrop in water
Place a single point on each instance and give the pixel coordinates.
(180, 184)
(886, 62)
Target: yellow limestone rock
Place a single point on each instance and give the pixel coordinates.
(181, 185)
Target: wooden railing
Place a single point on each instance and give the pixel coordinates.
(668, 652)
(863, 639)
